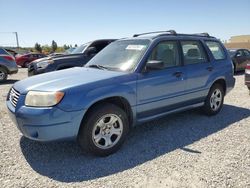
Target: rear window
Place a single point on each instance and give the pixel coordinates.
(216, 49)
(2, 51)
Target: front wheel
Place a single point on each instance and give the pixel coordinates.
(214, 100)
(104, 130)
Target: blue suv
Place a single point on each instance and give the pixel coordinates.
(129, 82)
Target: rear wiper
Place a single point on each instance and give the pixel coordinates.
(97, 66)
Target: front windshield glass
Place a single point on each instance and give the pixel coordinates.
(79, 49)
(231, 52)
(122, 55)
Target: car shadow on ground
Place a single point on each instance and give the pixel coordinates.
(10, 81)
(65, 162)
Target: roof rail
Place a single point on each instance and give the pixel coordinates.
(202, 34)
(172, 32)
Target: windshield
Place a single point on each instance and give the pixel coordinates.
(80, 49)
(231, 52)
(122, 55)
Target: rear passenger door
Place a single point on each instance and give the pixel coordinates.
(198, 69)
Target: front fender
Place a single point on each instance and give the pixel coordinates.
(83, 97)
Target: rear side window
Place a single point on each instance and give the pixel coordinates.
(2, 51)
(193, 52)
(216, 49)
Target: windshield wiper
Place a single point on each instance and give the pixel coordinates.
(98, 66)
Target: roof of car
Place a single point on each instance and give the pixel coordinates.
(171, 34)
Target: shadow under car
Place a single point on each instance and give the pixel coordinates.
(65, 162)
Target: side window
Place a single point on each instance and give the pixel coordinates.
(240, 53)
(167, 52)
(247, 53)
(216, 49)
(193, 52)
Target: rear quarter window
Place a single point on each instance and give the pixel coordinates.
(216, 50)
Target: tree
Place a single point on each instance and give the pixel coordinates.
(53, 46)
(38, 47)
(65, 47)
(75, 45)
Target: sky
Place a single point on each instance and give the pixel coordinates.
(80, 21)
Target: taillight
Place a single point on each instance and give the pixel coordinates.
(248, 66)
(9, 58)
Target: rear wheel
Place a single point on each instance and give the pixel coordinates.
(214, 100)
(3, 74)
(104, 130)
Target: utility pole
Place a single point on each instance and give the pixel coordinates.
(17, 42)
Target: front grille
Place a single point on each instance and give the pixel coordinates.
(14, 96)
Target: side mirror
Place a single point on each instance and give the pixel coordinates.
(154, 65)
(91, 51)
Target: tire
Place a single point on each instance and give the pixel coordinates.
(3, 74)
(214, 100)
(97, 134)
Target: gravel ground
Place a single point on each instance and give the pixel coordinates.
(182, 150)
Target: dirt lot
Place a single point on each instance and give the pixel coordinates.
(182, 150)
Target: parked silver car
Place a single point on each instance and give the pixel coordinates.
(7, 65)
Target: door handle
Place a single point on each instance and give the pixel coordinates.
(177, 74)
(210, 68)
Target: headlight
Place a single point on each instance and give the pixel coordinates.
(44, 64)
(43, 99)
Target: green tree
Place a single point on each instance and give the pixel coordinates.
(38, 47)
(53, 46)
(46, 49)
(65, 47)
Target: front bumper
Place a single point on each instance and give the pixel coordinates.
(45, 124)
(33, 70)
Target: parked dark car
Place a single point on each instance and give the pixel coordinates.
(78, 58)
(24, 60)
(7, 65)
(247, 76)
(129, 82)
(240, 58)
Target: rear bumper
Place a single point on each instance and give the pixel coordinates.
(45, 124)
(12, 68)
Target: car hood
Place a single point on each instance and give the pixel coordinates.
(59, 57)
(64, 79)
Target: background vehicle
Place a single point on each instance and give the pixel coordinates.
(70, 50)
(247, 76)
(7, 65)
(240, 58)
(129, 82)
(78, 57)
(12, 52)
(24, 60)
(55, 54)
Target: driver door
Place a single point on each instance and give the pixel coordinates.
(159, 91)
